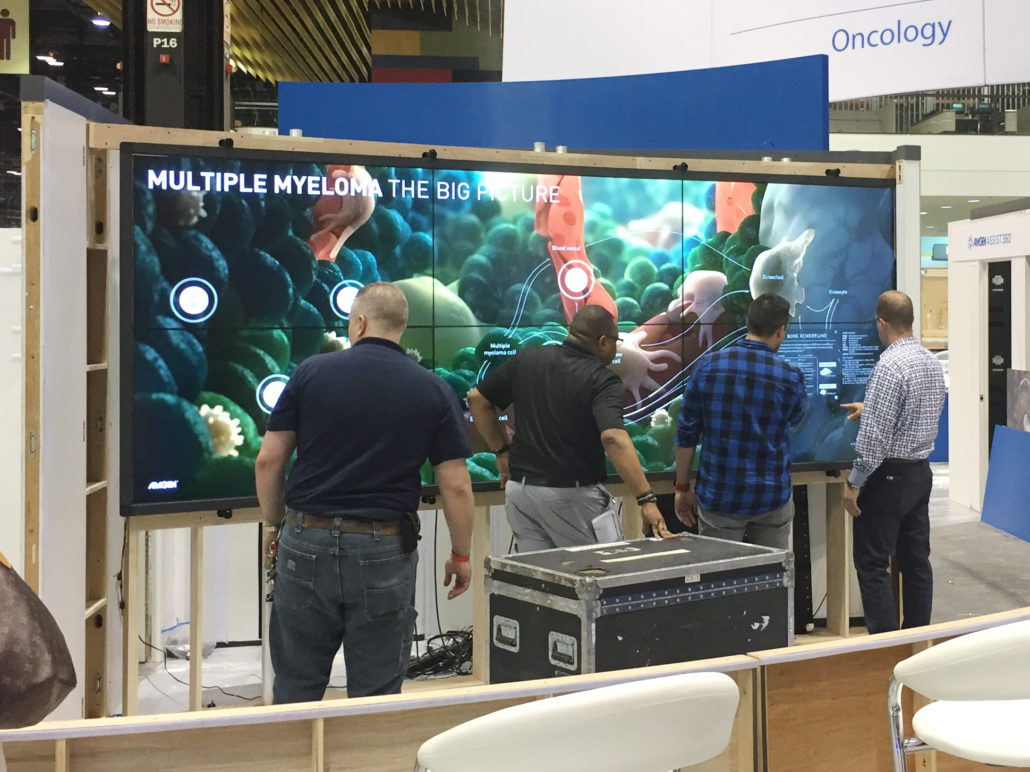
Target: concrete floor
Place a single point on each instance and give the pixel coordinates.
(977, 570)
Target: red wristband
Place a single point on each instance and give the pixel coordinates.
(459, 558)
(682, 488)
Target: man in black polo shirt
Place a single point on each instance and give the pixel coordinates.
(568, 414)
(345, 529)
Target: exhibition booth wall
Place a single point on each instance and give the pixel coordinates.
(86, 512)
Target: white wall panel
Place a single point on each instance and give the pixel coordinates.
(12, 397)
(560, 39)
(62, 442)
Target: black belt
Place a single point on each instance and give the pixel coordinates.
(548, 482)
(903, 461)
(341, 524)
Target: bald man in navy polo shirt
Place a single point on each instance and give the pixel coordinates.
(363, 421)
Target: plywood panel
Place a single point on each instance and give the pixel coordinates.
(96, 427)
(284, 747)
(96, 306)
(387, 742)
(830, 713)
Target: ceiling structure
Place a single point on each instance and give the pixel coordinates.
(318, 40)
(937, 211)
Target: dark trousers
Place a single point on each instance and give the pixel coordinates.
(895, 522)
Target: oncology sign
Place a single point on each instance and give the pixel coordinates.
(164, 16)
(873, 48)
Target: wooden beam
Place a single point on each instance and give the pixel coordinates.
(480, 605)
(31, 139)
(318, 745)
(62, 756)
(196, 617)
(112, 135)
(130, 618)
(839, 561)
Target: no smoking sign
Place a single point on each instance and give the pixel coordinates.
(164, 16)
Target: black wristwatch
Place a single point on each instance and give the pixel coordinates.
(646, 498)
(852, 485)
(503, 449)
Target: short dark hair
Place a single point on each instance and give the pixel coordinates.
(895, 308)
(766, 314)
(591, 322)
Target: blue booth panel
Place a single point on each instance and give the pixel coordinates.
(779, 105)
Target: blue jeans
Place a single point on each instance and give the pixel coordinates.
(333, 588)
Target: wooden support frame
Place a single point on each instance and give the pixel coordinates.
(31, 138)
(838, 560)
(370, 733)
(814, 706)
(104, 138)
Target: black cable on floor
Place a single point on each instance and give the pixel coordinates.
(164, 662)
(449, 653)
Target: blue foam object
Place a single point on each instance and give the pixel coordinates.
(1007, 500)
(778, 105)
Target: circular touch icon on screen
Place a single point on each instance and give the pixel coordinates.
(342, 297)
(193, 300)
(269, 391)
(576, 280)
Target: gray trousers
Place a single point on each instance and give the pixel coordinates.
(768, 529)
(544, 518)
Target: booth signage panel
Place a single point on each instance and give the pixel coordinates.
(1001, 237)
(873, 47)
(633, 111)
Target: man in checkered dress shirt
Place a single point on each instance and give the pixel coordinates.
(740, 404)
(888, 490)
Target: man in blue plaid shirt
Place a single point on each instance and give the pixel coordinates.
(742, 401)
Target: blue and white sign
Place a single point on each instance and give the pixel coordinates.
(1001, 237)
(873, 47)
(880, 48)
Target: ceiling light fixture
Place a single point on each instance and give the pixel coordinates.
(973, 201)
(101, 22)
(15, 172)
(108, 93)
(922, 213)
(945, 206)
(100, 88)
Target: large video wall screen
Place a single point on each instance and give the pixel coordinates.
(240, 265)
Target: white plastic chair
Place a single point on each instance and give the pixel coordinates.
(981, 682)
(649, 725)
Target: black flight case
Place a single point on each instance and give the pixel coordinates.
(634, 603)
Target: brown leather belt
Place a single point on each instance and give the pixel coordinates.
(341, 524)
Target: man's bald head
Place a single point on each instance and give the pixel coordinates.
(596, 330)
(380, 310)
(895, 308)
